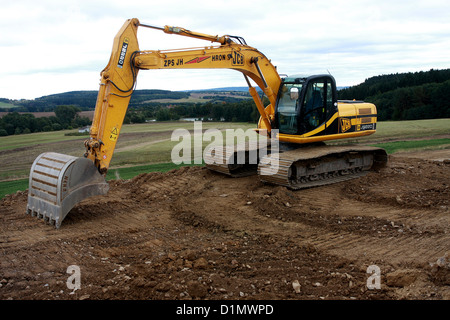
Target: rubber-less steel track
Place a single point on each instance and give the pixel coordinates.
(236, 161)
(319, 165)
(299, 168)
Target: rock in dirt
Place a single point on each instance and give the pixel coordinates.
(200, 263)
(196, 289)
(296, 285)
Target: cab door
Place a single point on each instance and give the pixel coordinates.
(318, 104)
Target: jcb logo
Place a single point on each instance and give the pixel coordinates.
(346, 124)
(123, 53)
(238, 59)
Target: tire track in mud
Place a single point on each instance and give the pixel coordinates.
(388, 245)
(381, 232)
(330, 221)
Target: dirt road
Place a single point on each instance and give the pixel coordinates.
(195, 234)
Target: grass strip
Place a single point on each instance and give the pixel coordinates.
(9, 187)
(131, 172)
(395, 146)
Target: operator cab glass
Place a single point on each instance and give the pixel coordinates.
(288, 106)
(305, 104)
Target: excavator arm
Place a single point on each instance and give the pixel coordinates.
(57, 182)
(118, 79)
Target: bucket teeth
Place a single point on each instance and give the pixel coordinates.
(58, 182)
(47, 217)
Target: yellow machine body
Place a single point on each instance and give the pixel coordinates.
(289, 111)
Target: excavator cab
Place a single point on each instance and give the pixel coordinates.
(305, 103)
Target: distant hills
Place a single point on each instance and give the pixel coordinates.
(85, 100)
(239, 89)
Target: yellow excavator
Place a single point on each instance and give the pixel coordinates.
(303, 113)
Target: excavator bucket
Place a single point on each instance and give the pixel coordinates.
(58, 182)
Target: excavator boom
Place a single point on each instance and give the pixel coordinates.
(58, 182)
(119, 78)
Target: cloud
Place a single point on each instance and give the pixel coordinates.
(54, 46)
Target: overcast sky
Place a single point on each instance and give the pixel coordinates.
(54, 46)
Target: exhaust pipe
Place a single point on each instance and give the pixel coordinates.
(58, 182)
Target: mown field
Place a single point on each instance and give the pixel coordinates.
(147, 147)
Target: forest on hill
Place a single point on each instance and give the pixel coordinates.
(405, 96)
(85, 100)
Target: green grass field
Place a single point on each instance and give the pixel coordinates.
(429, 144)
(8, 187)
(404, 130)
(7, 105)
(26, 140)
(147, 147)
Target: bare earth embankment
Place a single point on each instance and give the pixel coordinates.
(195, 234)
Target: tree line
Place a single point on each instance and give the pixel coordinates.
(405, 96)
(66, 117)
(240, 111)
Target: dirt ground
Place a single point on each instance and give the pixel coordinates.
(196, 234)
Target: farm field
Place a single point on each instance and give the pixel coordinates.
(139, 144)
(144, 145)
(150, 143)
(191, 234)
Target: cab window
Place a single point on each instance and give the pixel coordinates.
(288, 105)
(314, 106)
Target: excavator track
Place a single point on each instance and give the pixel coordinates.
(320, 165)
(238, 161)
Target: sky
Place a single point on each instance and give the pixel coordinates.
(55, 46)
